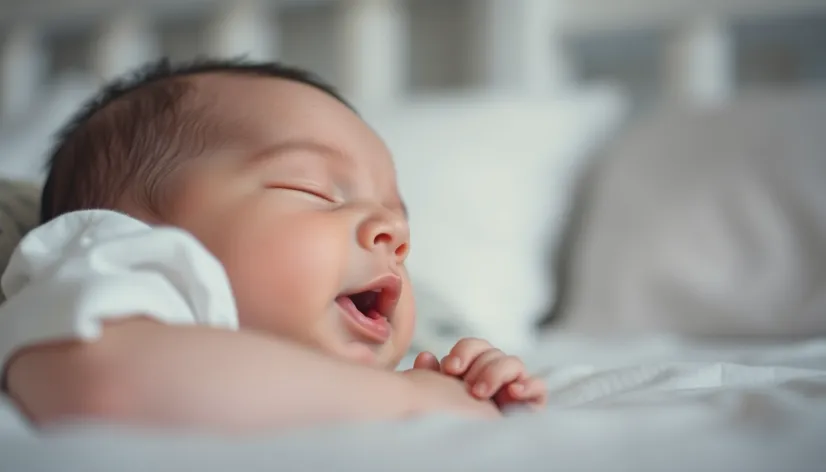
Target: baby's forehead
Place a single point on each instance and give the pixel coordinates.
(267, 112)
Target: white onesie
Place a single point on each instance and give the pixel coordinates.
(69, 275)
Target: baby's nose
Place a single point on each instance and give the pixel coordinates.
(384, 230)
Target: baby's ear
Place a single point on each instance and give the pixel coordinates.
(427, 361)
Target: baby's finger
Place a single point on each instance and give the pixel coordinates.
(480, 364)
(463, 354)
(504, 397)
(427, 361)
(530, 390)
(497, 374)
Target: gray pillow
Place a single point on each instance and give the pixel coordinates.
(19, 208)
(706, 222)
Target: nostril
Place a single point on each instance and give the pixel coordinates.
(382, 238)
(402, 250)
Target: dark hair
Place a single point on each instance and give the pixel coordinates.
(139, 129)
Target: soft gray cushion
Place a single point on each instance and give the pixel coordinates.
(19, 208)
(708, 223)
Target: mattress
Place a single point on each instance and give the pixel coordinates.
(634, 404)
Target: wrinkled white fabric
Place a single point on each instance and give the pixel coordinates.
(70, 275)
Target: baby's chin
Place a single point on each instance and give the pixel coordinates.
(382, 357)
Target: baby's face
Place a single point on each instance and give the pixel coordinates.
(302, 207)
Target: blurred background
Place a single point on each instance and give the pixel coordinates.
(384, 49)
(611, 164)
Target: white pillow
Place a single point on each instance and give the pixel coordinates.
(487, 182)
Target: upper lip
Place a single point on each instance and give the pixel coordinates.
(389, 288)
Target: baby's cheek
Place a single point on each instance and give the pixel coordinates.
(305, 264)
(290, 277)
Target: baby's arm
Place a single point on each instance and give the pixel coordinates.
(144, 372)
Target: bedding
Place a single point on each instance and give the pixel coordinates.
(616, 404)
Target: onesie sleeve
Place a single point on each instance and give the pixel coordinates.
(70, 275)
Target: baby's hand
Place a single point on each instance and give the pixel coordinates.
(488, 373)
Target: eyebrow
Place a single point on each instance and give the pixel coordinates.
(315, 147)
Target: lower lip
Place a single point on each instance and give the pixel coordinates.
(375, 329)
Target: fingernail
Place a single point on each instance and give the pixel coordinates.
(481, 389)
(517, 388)
(455, 363)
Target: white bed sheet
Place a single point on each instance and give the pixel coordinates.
(658, 404)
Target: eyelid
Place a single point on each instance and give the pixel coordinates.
(305, 189)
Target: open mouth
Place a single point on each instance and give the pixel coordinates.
(369, 309)
(367, 303)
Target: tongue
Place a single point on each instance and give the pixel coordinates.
(372, 314)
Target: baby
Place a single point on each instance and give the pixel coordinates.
(223, 248)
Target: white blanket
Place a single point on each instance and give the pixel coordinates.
(633, 405)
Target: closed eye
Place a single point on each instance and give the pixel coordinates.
(305, 190)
